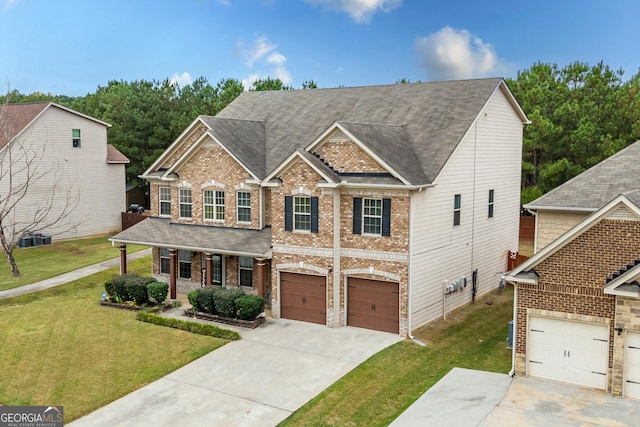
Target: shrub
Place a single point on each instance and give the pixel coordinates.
(158, 291)
(108, 288)
(225, 301)
(249, 306)
(120, 285)
(138, 291)
(196, 328)
(207, 298)
(193, 300)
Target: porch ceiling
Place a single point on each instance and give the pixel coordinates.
(161, 232)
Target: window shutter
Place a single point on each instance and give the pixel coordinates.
(357, 215)
(386, 217)
(314, 214)
(288, 213)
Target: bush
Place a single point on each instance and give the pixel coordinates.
(225, 301)
(196, 328)
(120, 285)
(193, 300)
(108, 288)
(206, 299)
(138, 291)
(249, 306)
(158, 291)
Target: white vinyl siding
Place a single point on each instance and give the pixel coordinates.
(440, 252)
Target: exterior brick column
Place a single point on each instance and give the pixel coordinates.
(173, 272)
(209, 267)
(123, 258)
(260, 265)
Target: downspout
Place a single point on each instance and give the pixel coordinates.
(512, 372)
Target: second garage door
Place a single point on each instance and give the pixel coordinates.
(373, 304)
(303, 297)
(632, 366)
(573, 352)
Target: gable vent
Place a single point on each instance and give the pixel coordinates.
(622, 214)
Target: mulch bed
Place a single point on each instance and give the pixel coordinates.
(226, 320)
(125, 306)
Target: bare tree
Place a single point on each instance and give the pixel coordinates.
(26, 166)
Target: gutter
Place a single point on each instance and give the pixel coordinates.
(266, 255)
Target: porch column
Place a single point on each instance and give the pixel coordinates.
(173, 272)
(260, 265)
(123, 259)
(209, 267)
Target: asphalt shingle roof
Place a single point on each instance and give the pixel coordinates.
(15, 117)
(597, 185)
(425, 119)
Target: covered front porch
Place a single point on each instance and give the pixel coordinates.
(202, 255)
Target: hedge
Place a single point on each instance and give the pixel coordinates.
(158, 291)
(196, 328)
(225, 302)
(249, 306)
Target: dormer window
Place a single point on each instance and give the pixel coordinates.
(75, 138)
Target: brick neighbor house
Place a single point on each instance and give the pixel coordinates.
(577, 316)
(366, 206)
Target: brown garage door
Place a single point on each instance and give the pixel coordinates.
(303, 297)
(373, 304)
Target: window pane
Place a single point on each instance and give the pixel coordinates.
(165, 265)
(457, 199)
(219, 205)
(165, 200)
(75, 133)
(185, 203)
(372, 216)
(217, 269)
(302, 213)
(244, 206)
(246, 271)
(184, 264)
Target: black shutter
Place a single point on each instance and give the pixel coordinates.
(314, 214)
(288, 213)
(357, 215)
(386, 217)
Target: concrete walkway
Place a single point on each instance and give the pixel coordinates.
(71, 276)
(257, 381)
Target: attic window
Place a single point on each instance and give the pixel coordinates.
(75, 138)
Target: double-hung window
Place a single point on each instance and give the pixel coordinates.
(164, 198)
(243, 204)
(245, 266)
(185, 203)
(165, 261)
(213, 201)
(184, 264)
(490, 214)
(302, 213)
(76, 141)
(372, 216)
(217, 270)
(457, 203)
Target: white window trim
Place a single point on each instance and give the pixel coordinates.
(160, 201)
(180, 203)
(161, 257)
(301, 230)
(240, 268)
(215, 206)
(458, 210)
(364, 233)
(244, 207)
(190, 262)
(492, 204)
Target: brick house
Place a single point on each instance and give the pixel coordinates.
(577, 308)
(566, 205)
(367, 206)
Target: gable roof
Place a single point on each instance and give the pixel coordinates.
(411, 128)
(597, 185)
(15, 118)
(115, 156)
(524, 272)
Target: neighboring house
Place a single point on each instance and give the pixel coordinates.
(366, 206)
(566, 205)
(69, 151)
(577, 311)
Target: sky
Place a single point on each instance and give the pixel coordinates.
(71, 47)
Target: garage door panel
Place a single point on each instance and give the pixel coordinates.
(568, 351)
(373, 304)
(303, 297)
(632, 366)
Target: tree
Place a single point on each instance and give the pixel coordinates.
(269, 84)
(26, 167)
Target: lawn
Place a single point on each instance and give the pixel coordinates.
(59, 347)
(381, 388)
(41, 262)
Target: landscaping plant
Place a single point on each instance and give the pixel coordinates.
(158, 291)
(249, 306)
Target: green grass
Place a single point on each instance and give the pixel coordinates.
(60, 347)
(381, 388)
(41, 262)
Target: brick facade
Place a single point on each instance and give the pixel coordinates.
(346, 156)
(571, 286)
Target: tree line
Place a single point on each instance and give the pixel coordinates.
(580, 114)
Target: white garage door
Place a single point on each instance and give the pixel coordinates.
(632, 366)
(563, 350)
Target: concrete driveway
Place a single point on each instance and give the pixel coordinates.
(257, 381)
(468, 398)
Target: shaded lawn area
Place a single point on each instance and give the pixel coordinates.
(59, 347)
(381, 388)
(41, 262)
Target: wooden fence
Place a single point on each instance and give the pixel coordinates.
(131, 218)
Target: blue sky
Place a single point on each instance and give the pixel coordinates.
(73, 46)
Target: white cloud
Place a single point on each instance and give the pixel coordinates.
(451, 54)
(263, 54)
(261, 47)
(10, 3)
(181, 80)
(279, 71)
(360, 10)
